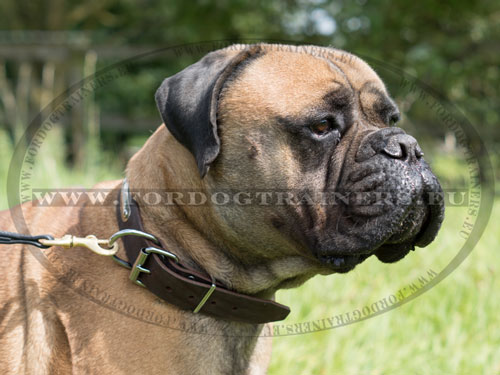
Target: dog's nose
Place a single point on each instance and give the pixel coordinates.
(403, 146)
(392, 142)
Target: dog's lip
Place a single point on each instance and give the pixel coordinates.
(431, 226)
(342, 263)
(390, 253)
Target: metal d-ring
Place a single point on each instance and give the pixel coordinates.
(132, 232)
(129, 232)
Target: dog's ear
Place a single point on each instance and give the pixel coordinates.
(188, 101)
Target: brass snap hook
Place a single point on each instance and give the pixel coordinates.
(91, 242)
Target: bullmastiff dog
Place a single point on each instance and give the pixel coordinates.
(304, 137)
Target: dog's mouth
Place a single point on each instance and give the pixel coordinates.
(418, 228)
(389, 236)
(395, 249)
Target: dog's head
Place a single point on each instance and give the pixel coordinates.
(307, 134)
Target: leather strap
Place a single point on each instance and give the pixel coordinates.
(185, 288)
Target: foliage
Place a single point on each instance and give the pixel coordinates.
(450, 45)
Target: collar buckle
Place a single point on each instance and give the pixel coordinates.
(138, 268)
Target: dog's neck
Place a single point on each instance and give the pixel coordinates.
(179, 227)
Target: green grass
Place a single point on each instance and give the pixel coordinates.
(452, 329)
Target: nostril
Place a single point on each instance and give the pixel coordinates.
(406, 150)
(403, 146)
(394, 150)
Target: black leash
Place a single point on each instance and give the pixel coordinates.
(9, 238)
(106, 247)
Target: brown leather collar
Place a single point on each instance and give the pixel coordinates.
(184, 287)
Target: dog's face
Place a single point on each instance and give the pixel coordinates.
(314, 131)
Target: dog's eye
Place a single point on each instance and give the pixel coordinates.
(321, 127)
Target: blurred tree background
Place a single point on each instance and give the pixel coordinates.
(47, 46)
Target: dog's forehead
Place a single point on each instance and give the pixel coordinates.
(291, 81)
(288, 82)
(358, 72)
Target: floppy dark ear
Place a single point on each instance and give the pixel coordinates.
(187, 102)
